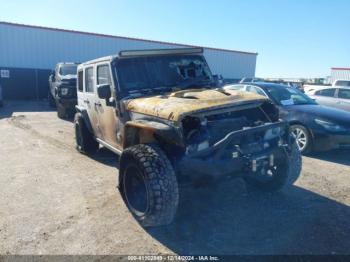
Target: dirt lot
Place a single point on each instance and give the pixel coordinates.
(54, 200)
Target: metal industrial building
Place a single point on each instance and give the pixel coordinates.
(340, 73)
(29, 53)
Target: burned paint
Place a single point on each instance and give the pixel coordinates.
(175, 105)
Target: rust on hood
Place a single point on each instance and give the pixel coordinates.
(173, 106)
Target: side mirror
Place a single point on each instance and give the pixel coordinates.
(104, 91)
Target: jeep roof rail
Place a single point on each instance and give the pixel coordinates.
(148, 52)
(68, 63)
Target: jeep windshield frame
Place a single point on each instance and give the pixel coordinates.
(162, 73)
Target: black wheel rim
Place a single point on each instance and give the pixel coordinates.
(135, 190)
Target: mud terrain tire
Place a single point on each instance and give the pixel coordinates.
(61, 111)
(85, 142)
(287, 176)
(147, 166)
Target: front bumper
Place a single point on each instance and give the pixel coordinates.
(325, 141)
(68, 100)
(227, 157)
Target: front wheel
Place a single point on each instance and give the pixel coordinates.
(285, 172)
(61, 111)
(51, 100)
(148, 185)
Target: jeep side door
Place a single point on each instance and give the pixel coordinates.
(106, 110)
(87, 98)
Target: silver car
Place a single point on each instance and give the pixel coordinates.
(338, 97)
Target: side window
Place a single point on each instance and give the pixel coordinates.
(344, 93)
(326, 92)
(80, 81)
(103, 76)
(89, 79)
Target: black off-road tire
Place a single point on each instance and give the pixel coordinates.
(291, 172)
(85, 142)
(158, 175)
(61, 111)
(295, 164)
(52, 102)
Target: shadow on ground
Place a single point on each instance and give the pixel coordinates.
(106, 157)
(11, 107)
(337, 156)
(228, 220)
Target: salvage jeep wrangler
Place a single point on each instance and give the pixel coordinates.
(62, 89)
(162, 113)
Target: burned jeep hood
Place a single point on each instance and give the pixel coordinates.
(175, 105)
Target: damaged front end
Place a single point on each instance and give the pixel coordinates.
(247, 140)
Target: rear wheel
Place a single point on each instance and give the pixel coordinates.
(148, 185)
(302, 138)
(283, 173)
(85, 142)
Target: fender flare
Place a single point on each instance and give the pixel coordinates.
(86, 118)
(157, 129)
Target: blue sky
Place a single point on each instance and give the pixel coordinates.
(293, 38)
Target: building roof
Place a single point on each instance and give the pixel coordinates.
(340, 68)
(120, 37)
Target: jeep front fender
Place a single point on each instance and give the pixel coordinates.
(146, 131)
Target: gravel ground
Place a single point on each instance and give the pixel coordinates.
(54, 200)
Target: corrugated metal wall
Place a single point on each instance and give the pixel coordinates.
(343, 73)
(41, 48)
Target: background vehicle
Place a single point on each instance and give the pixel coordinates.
(341, 83)
(1, 101)
(311, 89)
(170, 126)
(250, 79)
(338, 97)
(315, 127)
(63, 90)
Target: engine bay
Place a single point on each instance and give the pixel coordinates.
(202, 132)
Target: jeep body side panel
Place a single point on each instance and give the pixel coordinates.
(108, 120)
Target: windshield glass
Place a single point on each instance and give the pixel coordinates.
(180, 71)
(68, 70)
(286, 96)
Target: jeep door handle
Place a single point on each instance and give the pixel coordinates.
(98, 104)
(87, 101)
